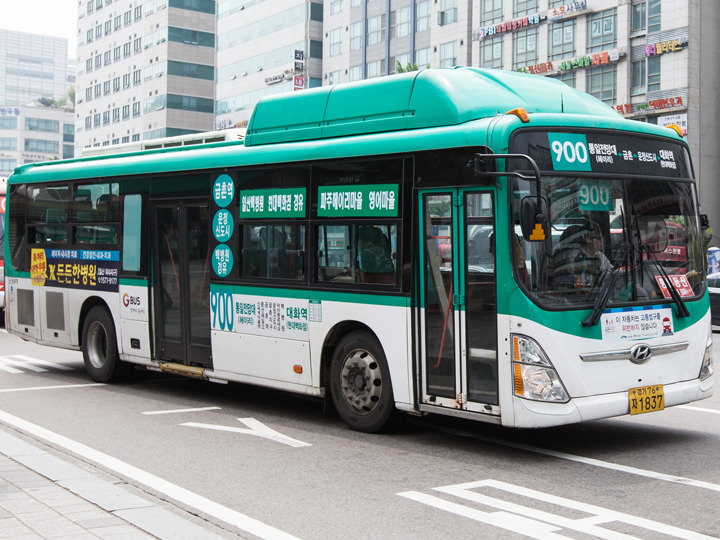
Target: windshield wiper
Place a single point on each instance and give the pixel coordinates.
(607, 283)
(674, 294)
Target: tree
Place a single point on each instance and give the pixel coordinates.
(409, 67)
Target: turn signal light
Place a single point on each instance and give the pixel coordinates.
(521, 113)
(675, 127)
(297, 368)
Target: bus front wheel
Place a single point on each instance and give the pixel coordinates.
(360, 383)
(100, 352)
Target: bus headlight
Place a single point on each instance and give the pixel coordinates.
(534, 376)
(707, 370)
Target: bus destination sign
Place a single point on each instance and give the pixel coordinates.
(272, 203)
(376, 200)
(602, 152)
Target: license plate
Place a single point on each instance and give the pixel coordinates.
(646, 399)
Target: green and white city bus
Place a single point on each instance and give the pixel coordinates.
(467, 242)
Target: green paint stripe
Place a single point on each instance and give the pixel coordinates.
(374, 298)
(134, 282)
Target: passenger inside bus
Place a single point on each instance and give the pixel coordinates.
(375, 261)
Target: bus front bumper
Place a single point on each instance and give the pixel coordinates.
(537, 414)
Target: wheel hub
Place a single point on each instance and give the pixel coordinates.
(361, 381)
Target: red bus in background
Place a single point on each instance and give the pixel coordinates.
(3, 188)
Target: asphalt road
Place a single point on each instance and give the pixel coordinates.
(265, 464)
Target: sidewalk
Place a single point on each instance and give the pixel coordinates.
(43, 496)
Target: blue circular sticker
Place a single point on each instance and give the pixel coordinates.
(223, 190)
(222, 260)
(223, 225)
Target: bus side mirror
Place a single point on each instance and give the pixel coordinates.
(533, 218)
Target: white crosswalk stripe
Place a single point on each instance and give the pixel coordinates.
(20, 363)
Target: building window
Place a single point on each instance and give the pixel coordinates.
(8, 143)
(90, 7)
(356, 33)
(336, 41)
(89, 36)
(106, 57)
(106, 88)
(422, 16)
(335, 77)
(88, 65)
(136, 77)
(98, 61)
(42, 145)
(127, 18)
(98, 31)
(525, 7)
(561, 40)
(448, 12)
(136, 137)
(88, 93)
(402, 22)
(138, 13)
(601, 83)
(98, 90)
(335, 6)
(448, 54)
(356, 73)
(125, 112)
(653, 73)
(638, 78)
(108, 27)
(106, 117)
(491, 52)
(126, 80)
(525, 48)
(117, 22)
(374, 69)
(88, 122)
(116, 84)
(375, 29)
(422, 58)
(136, 109)
(125, 139)
(116, 114)
(602, 30)
(138, 45)
(645, 15)
(41, 124)
(491, 11)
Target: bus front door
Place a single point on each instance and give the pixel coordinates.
(182, 282)
(457, 299)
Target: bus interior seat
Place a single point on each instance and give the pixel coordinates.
(375, 263)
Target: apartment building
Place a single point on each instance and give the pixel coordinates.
(265, 47)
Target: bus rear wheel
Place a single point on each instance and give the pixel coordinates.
(360, 383)
(100, 352)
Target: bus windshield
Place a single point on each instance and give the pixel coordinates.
(642, 232)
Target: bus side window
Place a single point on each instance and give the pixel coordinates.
(132, 233)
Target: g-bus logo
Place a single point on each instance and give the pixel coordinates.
(131, 300)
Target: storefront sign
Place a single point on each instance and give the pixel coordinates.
(539, 69)
(509, 26)
(280, 77)
(571, 9)
(652, 105)
(75, 268)
(679, 120)
(673, 45)
(590, 60)
(358, 201)
(272, 203)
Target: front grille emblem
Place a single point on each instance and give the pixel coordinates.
(640, 354)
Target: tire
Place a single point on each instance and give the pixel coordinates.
(360, 384)
(99, 345)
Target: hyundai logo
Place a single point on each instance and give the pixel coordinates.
(640, 354)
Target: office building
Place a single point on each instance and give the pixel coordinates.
(32, 133)
(33, 66)
(146, 69)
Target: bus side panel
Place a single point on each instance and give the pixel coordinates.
(134, 324)
(390, 325)
(23, 308)
(262, 357)
(54, 327)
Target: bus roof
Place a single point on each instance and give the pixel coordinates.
(429, 109)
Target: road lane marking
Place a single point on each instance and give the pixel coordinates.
(7, 361)
(588, 461)
(699, 409)
(254, 428)
(176, 411)
(173, 491)
(541, 524)
(53, 387)
(40, 362)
